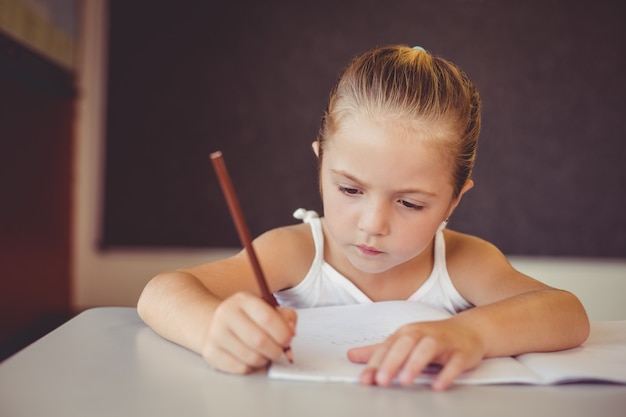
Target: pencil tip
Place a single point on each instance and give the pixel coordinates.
(216, 154)
(288, 354)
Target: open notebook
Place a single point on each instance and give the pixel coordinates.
(325, 334)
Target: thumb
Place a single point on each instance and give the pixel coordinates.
(361, 354)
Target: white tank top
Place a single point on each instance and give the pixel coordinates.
(324, 286)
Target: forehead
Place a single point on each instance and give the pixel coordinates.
(440, 131)
(389, 152)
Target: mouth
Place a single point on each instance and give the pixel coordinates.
(368, 250)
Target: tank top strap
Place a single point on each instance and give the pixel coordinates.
(305, 215)
(313, 219)
(440, 248)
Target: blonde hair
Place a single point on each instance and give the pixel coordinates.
(414, 85)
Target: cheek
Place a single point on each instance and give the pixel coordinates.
(332, 204)
(337, 216)
(328, 192)
(421, 237)
(412, 243)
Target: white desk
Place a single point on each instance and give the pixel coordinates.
(106, 362)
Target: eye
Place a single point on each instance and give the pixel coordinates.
(348, 190)
(409, 205)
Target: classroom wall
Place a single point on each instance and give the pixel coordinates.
(37, 115)
(252, 78)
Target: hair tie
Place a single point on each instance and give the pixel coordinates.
(419, 48)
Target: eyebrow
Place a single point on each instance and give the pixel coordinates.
(404, 191)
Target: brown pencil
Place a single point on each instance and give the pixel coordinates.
(242, 229)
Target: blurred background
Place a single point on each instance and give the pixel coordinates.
(109, 111)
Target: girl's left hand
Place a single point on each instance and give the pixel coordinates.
(406, 353)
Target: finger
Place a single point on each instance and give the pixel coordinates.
(449, 373)
(253, 345)
(368, 377)
(228, 363)
(236, 342)
(394, 359)
(275, 323)
(423, 354)
(224, 361)
(372, 355)
(361, 354)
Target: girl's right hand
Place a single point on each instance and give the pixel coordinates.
(245, 333)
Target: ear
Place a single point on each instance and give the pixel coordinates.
(469, 184)
(316, 148)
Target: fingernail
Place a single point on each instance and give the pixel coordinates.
(405, 377)
(438, 385)
(382, 378)
(368, 376)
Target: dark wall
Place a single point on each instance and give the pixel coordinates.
(36, 149)
(251, 79)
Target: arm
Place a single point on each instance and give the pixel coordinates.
(513, 314)
(236, 334)
(215, 310)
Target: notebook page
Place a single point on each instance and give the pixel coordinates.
(601, 358)
(325, 334)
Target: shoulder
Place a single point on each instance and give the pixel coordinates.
(299, 234)
(469, 256)
(465, 247)
(286, 254)
(481, 272)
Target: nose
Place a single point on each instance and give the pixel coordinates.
(374, 219)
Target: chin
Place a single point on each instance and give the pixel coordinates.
(370, 267)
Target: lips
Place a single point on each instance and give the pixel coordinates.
(368, 250)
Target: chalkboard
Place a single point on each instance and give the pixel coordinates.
(251, 79)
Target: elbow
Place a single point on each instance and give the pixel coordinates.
(581, 322)
(585, 329)
(147, 296)
(142, 302)
(582, 331)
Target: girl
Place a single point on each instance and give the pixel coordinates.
(396, 150)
